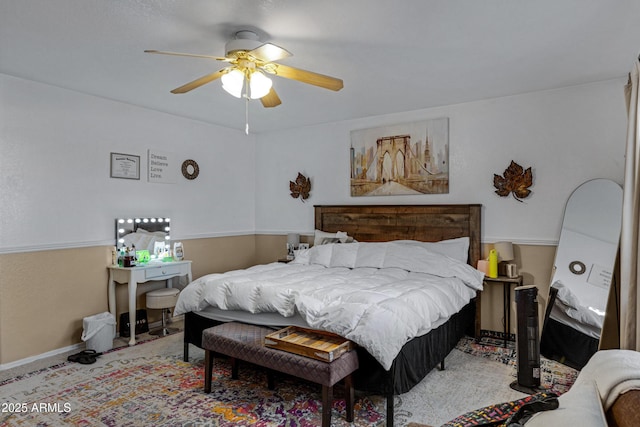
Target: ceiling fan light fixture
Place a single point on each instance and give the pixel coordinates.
(232, 82)
(259, 85)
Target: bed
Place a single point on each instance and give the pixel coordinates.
(368, 223)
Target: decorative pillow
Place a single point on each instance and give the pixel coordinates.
(453, 248)
(323, 238)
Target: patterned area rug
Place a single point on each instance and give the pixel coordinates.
(149, 385)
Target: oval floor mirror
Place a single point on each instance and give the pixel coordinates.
(583, 271)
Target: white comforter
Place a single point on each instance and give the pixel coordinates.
(378, 295)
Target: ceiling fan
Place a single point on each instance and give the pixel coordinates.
(249, 60)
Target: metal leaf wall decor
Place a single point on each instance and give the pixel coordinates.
(515, 180)
(300, 188)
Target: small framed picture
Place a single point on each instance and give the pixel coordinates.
(125, 166)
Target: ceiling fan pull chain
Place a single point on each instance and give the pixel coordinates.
(246, 105)
(246, 116)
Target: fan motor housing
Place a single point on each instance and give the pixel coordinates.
(244, 42)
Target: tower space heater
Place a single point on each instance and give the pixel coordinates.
(527, 340)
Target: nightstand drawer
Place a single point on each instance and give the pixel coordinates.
(161, 271)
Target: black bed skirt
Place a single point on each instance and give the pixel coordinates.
(567, 345)
(415, 360)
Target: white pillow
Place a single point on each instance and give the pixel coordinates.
(371, 254)
(302, 256)
(322, 238)
(453, 248)
(321, 255)
(344, 255)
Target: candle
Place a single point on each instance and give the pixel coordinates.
(483, 265)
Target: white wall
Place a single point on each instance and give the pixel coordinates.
(567, 136)
(55, 188)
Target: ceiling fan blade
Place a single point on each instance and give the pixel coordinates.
(304, 76)
(269, 52)
(199, 82)
(271, 99)
(187, 54)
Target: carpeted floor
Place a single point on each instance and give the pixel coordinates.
(555, 377)
(150, 385)
(475, 375)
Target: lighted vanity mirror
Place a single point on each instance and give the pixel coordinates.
(148, 233)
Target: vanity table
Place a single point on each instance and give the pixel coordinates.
(140, 274)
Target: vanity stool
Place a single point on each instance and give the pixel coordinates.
(163, 299)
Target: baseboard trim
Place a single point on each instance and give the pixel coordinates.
(20, 362)
(73, 347)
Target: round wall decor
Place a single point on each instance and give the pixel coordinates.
(577, 267)
(190, 169)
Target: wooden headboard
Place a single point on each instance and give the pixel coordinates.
(381, 223)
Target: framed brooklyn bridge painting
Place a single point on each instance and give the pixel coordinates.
(402, 159)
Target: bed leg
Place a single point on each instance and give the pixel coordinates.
(442, 365)
(185, 352)
(390, 410)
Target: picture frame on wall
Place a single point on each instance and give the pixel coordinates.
(402, 159)
(125, 166)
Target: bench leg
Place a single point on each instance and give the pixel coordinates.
(208, 370)
(390, 410)
(234, 368)
(327, 400)
(270, 380)
(349, 397)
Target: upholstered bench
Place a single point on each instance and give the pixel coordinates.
(240, 341)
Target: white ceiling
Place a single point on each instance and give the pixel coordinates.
(393, 55)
